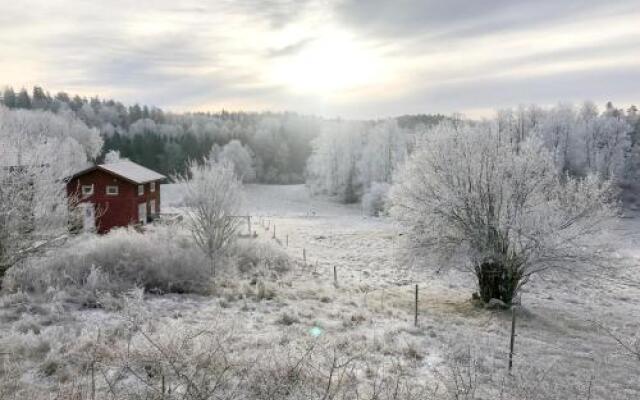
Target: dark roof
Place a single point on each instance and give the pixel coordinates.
(127, 170)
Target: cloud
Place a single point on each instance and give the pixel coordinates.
(291, 49)
(430, 55)
(459, 19)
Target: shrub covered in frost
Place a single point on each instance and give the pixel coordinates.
(250, 255)
(375, 199)
(161, 260)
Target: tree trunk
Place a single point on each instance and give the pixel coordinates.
(496, 281)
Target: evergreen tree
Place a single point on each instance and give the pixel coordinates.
(23, 100)
(40, 100)
(77, 103)
(9, 97)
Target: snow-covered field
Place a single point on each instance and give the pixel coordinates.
(558, 328)
(560, 340)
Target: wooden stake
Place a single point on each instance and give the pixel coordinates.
(274, 231)
(415, 322)
(249, 223)
(304, 256)
(335, 275)
(513, 336)
(93, 381)
(287, 240)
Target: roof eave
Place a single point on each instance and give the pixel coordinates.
(99, 167)
(108, 171)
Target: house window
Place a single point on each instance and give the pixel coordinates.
(112, 190)
(140, 190)
(87, 190)
(152, 187)
(153, 207)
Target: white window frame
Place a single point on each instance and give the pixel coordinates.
(87, 193)
(152, 187)
(140, 190)
(112, 193)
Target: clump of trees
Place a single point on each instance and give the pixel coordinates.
(476, 196)
(279, 143)
(582, 140)
(349, 157)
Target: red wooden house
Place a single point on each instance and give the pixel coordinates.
(117, 194)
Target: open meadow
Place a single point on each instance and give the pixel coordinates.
(265, 328)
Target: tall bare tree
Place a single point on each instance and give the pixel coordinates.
(213, 197)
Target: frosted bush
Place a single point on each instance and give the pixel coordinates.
(95, 271)
(375, 199)
(158, 261)
(251, 255)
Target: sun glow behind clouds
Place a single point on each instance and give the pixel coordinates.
(331, 65)
(334, 57)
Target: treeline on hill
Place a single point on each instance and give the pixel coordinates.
(351, 160)
(357, 160)
(277, 144)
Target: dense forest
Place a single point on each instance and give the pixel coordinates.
(277, 144)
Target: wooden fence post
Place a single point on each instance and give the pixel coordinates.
(513, 336)
(93, 380)
(304, 255)
(287, 240)
(249, 223)
(274, 231)
(415, 322)
(335, 275)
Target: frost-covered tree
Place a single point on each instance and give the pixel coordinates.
(112, 156)
(213, 197)
(38, 150)
(600, 143)
(556, 131)
(239, 157)
(332, 167)
(385, 148)
(471, 196)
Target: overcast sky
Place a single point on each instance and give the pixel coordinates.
(350, 58)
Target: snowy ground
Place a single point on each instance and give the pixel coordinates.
(373, 301)
(558, 327)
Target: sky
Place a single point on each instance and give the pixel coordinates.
(347, 58)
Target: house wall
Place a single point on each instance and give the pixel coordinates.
(113, 211)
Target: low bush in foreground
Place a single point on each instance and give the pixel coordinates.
(162, 260)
